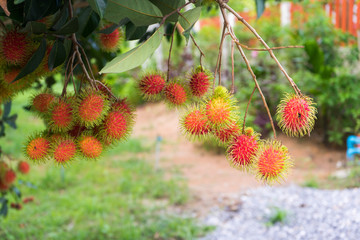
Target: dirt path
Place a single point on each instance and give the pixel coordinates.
(211, 179)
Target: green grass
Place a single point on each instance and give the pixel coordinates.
(278, 215)
(311, 182)
(116, 197)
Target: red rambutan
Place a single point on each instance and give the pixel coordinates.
(23, 167)
(37, 148)
(195, 123)
(15, 47)
(90, 146)
(110, 42)
(9, 177)
(296, 115)
(272, 161)
(42, 101)
(200, 83)
(60, 116)
(124, 106)
(116, 125)
(242, 150)
(227, 133)
(219, 112)
(91, 108)
(64, 150)
(16, 206)
(151, 85)
(175, 94)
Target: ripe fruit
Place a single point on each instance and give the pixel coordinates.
(296, 115)
(90, 146)
(60, 116)
(200, 83)
(23, 167)
(195, 123)
(151, 85)
(37, 148)
(76, 130)
(15, 47)
(218, 112)
(41, 102)
(9, 177)
(175, 94)
(116, 125)
(91, 108)
(242, 150)
(227, 133)
(124, 106)
(272, 161)
(110, 42)
(3, 186)
(64, 150)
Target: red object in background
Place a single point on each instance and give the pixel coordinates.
(28, 199)
(17, 206)
(23, 167)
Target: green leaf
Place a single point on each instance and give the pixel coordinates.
(4, 206)
(70, 27)
(7, 109)
(34, 61)
(11, 121)
(57, 55)
(136, 56)
(316, 56)
(89, 21)
(34, 27)
(167, 7)
(98, 6)
(189, 18)
(18, 1)
(133, 32)
(140, 12)
(260, 7)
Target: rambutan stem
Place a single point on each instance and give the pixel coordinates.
(201, 52)
(247, 109)
(170, 50)
(226, 22)
(232, 69)
(223, 6)
(218, 62)
(263, 49)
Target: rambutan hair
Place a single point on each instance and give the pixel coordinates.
(200, 82)
(272, 161)
(41, 102)
(296, 115)
(60, 116)
(226, 134)
(37, 148)
(89, 146)
(110, 42)
(175, 93)
(151, 85)
(220, 112)
(194, 123)
(15, 47)
(64, 150)
(116, 126)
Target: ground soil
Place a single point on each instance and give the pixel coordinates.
(212, 181)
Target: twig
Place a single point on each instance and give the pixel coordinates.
(218, 62)
(232, 69)
(247, 109)
(263, 49)
(249, 68)
(175, 11)
(223, 5)
(170, 50)
(107, 89)
(201, 52)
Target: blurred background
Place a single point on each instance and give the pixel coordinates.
(158, 185)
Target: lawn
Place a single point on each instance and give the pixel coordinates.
(117, 197)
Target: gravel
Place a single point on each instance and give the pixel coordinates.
(311, 214)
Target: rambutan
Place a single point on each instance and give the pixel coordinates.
(18, 85)
(15, 47)
(123, 105)
(272, 161)
(200, 82)
(64, 150)
(175, 93)
(90, 146)
(37, 148)
(91, 108)
(219, 112)
(60, 115)
(23, 167)
(224, 135)
(41, 102)
(151, 85)
(296, 115)
(195, 124)
(116, 125)
(9, 177)
(110, 42)
(76, 130)
(16, 206)
(242, 150)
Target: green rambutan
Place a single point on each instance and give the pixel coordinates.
(37, 148)
(272, 161)
(60, 116)
(90, 146)
(175, 93)
(151, 85)
(195, 124)
(91, 108)
(15, 47)
(64, 150)
(242, 150)
(296, 115)
(200, 82)
(23, 167)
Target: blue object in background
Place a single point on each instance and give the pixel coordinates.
(352, 143)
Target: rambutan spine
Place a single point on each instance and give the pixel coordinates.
(175, 93)
(151, 85)
(194, 123)
(37, 148)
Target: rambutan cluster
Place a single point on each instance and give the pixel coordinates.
(78, 126)
(176, 92)
(16, 49)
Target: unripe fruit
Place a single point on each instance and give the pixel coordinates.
(23, 167)
(151, 85)
(110, 42)
(64, 150)
(37, 148)
(272, 161)
(175, 94)
(90, 146)
(242, 150)
(296, 115)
